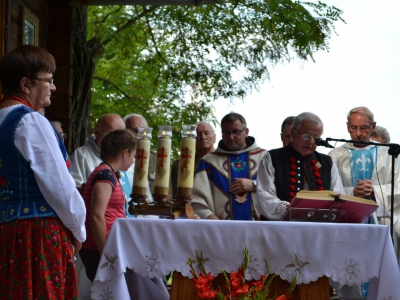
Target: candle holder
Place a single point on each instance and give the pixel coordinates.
(162, 205)
(161, 185)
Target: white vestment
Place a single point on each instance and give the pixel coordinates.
(208, 198)
(381, 182)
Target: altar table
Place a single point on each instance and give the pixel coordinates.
(346, 253)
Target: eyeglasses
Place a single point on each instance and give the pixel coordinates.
(306, 136)
(235, 132)
(51, 80)
(362, 128)
(63, 135)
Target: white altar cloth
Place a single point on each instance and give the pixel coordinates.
(347, 253)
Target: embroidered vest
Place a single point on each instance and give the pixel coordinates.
(292, 171)
(20, 196)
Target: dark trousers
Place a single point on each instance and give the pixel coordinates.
(91, 260)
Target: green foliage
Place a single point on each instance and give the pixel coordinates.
(169, 63)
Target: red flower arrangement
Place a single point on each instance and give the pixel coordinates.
(236, 286)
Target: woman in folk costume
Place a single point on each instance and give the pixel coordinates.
(42, 215)
(104, 197)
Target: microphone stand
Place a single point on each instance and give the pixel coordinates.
(394, 150)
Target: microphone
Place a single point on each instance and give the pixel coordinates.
(321, 142)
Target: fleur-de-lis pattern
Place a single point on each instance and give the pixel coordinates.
(365, 163)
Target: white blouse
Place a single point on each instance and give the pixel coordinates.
(36, 141)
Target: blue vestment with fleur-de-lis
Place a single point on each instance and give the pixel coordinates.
(362, 163)
(362, 166)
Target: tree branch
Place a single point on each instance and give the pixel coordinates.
(129, 23)
(106, 16)
(132, 99)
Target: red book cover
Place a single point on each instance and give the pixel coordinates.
(358, 209)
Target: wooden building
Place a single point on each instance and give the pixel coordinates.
(46, 24)
(56, 26)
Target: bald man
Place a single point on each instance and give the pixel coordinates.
(86, 158)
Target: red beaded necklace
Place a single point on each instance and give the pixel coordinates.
(15, 98)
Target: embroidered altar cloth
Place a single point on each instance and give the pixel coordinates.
(347, 253)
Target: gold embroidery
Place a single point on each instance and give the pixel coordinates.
(42, 208)
(26, 210)
(12, 211)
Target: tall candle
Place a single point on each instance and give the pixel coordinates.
(161, 185)
(187, 157)
(140, 178)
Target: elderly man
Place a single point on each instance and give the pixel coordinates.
(366, 169)
(58, 126)
(225, 180)
(381, 135)
(365, 172)
(205, 141)
(286, 135)
(86, 158)
(285, 171)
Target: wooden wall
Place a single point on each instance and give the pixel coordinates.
(59, 44)
(55, 35)
(2, 25)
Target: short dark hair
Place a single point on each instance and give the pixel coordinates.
(116, 141)
(233, 117)
(24, 61)
(288, 121)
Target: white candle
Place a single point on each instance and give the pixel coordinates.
(186, 163)
(140, 180)
(163, 163)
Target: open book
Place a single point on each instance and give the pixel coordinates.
(358, 209)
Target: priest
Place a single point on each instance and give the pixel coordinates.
(366, 169)
(225, 180)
